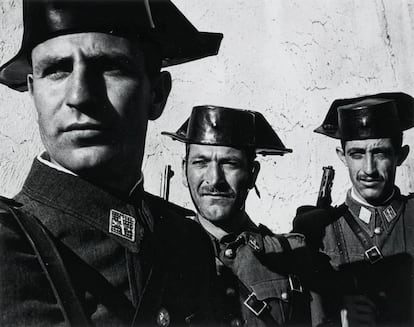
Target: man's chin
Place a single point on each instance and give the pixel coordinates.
(373, 197)
(216, 215)
(86, 159)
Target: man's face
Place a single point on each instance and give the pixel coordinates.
(219, 178)
(371, 164)
(93, 99)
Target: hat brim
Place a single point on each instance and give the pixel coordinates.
(264, 151)
(14, 72)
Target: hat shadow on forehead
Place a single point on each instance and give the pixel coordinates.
(156, 21)
(214, 125)
(372, 116)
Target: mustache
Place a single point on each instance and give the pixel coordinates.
(214, 191)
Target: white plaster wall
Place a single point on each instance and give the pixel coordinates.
(287, 59)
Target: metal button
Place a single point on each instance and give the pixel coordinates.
(229, 253)
(284, 296)
(230, 291)
(378, 230)
(236, 323)
(163, 318)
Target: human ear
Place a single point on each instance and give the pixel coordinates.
(341, 155)
(253, 174)
(160, 89)
(184, 173)
(403, 154)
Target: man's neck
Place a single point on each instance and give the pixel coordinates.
(358, 198)
(219, 229)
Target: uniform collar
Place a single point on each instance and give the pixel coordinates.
(362, 201)
(388, 212)
(121, 219)
(219, 234)
(45, 159)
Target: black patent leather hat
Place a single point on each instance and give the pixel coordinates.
(158, 21)
(212, 125)
(380, 115)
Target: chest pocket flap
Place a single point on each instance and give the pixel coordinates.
(272, 288)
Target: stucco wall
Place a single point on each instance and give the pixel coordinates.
(287, 59)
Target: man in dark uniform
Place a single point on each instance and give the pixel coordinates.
(82, 243)
(254, 266)
(369, 239)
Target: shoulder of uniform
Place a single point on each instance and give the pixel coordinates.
(410, 196)
(6, 203)
(164, 207)
(264, 230)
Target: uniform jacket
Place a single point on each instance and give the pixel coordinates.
(257, 266)
(162, 271)
(391, 228)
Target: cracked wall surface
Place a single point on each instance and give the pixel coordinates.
(286, 59)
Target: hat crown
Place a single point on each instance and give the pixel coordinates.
(369, 118)
(380, 115)
(221, 126)
(157, 21)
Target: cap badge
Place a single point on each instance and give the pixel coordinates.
(122, 225)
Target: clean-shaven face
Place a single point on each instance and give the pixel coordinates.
(92, 96)
(218, 179)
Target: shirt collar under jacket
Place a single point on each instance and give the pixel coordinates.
(371, 217)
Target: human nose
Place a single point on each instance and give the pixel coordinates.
(214, 174)
(369, 165)
(81, 88)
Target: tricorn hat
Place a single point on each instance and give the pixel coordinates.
(212, 125)
(156, 20)
(372, 116)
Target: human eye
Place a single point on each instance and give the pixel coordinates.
(232, 163)
(198, 162)
(56, 71)
(117, 66)
(356, 155)
(382, 154)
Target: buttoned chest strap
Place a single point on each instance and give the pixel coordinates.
(257, 307)
(53, 266)
(372, 252)
(260, 308)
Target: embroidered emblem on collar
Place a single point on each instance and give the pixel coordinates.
(122, 225)
(365, 215)
(389, 213)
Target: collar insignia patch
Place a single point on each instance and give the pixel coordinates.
(389, 213)
(121, 224)
(365, 215)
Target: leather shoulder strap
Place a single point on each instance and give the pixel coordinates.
(53, 266)
(372, 252)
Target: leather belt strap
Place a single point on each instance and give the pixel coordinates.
(53, 266)
(372, 252)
